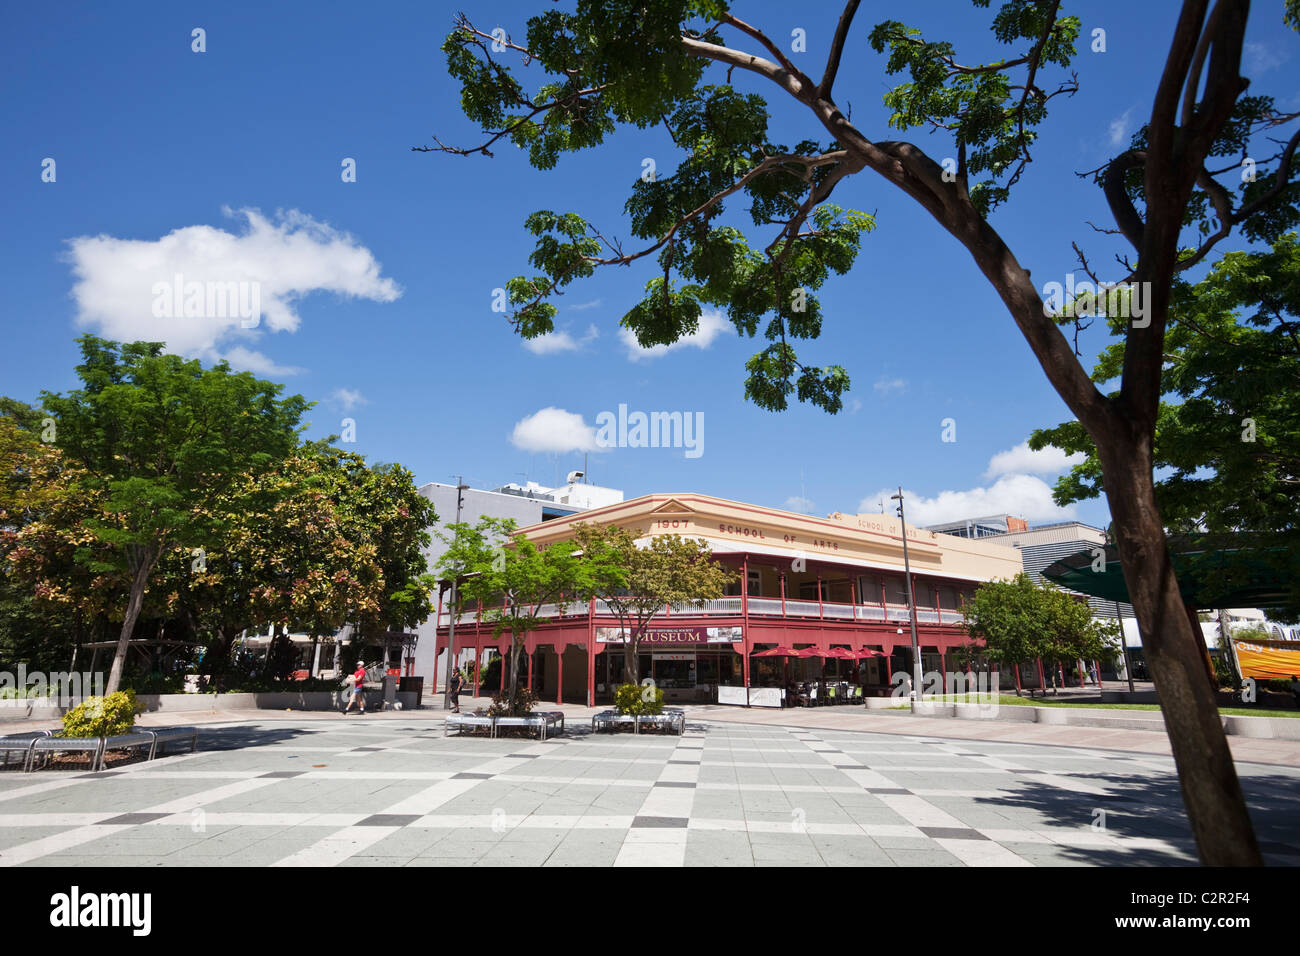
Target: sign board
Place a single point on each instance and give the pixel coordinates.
(660, 636)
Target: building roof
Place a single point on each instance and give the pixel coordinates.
(865, 540)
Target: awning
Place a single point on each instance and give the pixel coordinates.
(1214, 571)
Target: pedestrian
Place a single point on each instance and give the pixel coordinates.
(358, 680)
(457, 685)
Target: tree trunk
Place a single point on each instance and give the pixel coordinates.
(630, 673)
(515, 709)
(217, 660)
(1212, 793)
(139, 580)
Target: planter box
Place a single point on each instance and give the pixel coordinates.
(1009, 712)
(1271, 728)
(278, 700)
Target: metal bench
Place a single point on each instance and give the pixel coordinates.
(550, 720)
(97, 747)
(461, 722)
(610, 719)
(167, 735)
(543, 720)
(20, 743)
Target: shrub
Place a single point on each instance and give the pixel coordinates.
(635, 699)
(158, 684)
(525, 701)
(101, 716)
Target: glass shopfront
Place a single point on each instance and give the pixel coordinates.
(686, 674)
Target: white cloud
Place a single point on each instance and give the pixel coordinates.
(855, 406)
(712, 324)
(1260, 59)
(250, 360)
(349, 398)
(799, 504)
(1017, 490)
(1120, 126)
(1022, 461)
(583, 306)
(887, 386)
(553, 342)
(124, 286)
(1025, 496)
(553, 430)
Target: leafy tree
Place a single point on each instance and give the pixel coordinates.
(159, 436)
(1227, 437)
(55, 589)
(517, 585)
(381, 505)
(638, 584)
(612, 63)
(1020, 620)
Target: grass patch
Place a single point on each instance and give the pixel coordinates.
(1011, 700)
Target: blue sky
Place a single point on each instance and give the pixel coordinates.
(376, 294)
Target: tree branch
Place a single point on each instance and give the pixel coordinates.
(837, 49)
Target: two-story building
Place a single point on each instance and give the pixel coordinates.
(821, 586)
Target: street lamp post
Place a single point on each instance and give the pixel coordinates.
(911, 601)
(461, 487)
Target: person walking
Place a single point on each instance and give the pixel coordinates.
(457, 685)
(358, 679)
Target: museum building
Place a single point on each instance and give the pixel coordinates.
(831, 591)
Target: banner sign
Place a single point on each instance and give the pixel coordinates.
(1268, 663)
(660, 636)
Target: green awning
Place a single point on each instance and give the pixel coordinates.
(1216, 571)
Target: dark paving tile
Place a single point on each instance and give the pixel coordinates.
(99, 776)
(389, 820)
(473, 776)
(134, 818)
(524, 756)
(887, 790)
(660, 822)
(283, 774)
(952, 833)
(674, 783)
(367, 748)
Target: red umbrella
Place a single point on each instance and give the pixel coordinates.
(777, 651)
(868, 652)
(809, 652)
(843, 653)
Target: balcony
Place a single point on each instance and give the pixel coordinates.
(763, 607)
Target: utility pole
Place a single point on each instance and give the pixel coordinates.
(461, 488)
(911, 601)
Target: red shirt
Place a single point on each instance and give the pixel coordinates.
(359, 677)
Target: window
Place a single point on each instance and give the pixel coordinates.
(896, 590)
